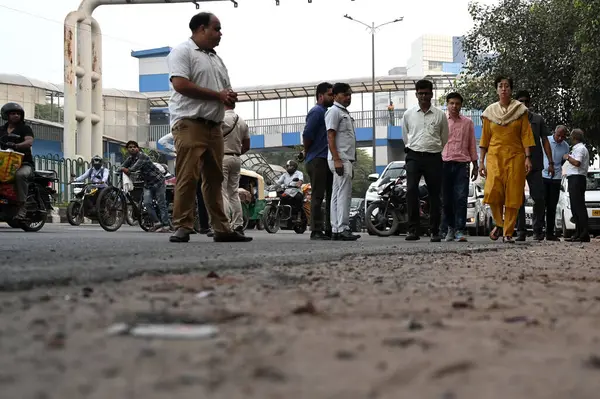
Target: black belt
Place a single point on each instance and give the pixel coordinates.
(233, 154)
(206, 122)
(421, 153)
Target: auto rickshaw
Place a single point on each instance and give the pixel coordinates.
(252, 196)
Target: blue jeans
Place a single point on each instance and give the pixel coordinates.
(158, 193)
(455, 191)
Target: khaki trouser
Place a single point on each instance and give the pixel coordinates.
(199, 149)
(231, 182)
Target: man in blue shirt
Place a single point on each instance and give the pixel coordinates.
(552, 183)
(314, 139)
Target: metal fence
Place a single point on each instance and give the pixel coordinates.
(65, 168)
(292, 124)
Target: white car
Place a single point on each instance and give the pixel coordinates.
(564, 215)
(392, 171)
(475, 210)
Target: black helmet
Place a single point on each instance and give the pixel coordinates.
(97, 162)
(12, 107)
(291, 167)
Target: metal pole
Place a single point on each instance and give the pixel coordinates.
(373, 28)
(373, 91)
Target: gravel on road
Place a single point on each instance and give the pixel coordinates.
(516, 322)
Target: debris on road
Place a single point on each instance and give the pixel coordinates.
(165, 331)
(307, 308)
(204, 294)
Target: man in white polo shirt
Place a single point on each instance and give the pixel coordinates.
(576, 168)
(341, 140)
(425, 133)
(197, 107)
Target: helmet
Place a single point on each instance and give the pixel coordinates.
(291, 166)
(96, 162)
(12, 107)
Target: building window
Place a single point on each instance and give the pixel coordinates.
(435, 65)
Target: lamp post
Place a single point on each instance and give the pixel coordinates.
(373, 29)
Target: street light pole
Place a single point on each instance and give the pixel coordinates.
(373, 29)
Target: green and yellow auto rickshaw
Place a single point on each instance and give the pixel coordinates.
(252, 196)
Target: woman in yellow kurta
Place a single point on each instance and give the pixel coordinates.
(505, 141)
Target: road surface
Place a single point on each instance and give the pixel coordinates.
(63, 254)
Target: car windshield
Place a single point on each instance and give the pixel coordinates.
(593, 181)
(393, 173)
(355, 202)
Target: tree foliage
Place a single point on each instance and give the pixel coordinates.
(49, 112)
(549, 47)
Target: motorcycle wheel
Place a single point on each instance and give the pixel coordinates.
(270, 219)
(32, 227)
(144, 219)
(75, 213)
(111, 209)
(129, 217)
(14, 224)
(301, 228)
(378, 224)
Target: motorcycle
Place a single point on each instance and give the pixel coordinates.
(284, 209)
(39, 196)
(92, 200)
(388, 215)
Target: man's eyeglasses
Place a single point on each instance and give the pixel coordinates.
(424, 93)
(131, 147)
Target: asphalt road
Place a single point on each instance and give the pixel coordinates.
(62, 254)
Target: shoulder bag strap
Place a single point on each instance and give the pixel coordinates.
(233, 127)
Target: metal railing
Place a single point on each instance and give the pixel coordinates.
(65, 168)
(292, 124)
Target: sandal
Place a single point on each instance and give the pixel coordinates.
(508, 240)
(496, 233)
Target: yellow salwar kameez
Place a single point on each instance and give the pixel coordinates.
(506, 133)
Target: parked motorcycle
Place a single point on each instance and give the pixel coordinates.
(284, 209)
(388, 215)
(39, 196)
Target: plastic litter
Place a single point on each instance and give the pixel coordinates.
(165, 331)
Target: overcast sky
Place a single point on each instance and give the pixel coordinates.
(262, 43)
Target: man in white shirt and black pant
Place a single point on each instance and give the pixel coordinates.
(425, 133)
(576, 169)
(341, 139)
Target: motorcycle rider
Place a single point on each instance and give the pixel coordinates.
(14, 114)
(154, 184)
(292, 173)
(97, 173)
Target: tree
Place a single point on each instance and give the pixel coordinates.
(549, 47)
(586, 77)
(49, 112)
(363, 167)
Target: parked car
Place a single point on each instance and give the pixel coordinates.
(392, 171)
(357, 214)
(475, 210)
(564, 215)
(528, 211)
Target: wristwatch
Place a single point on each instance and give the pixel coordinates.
(551, 163)
(527, 156)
